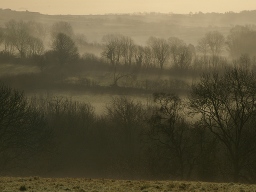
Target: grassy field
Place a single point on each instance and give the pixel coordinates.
(38, 184)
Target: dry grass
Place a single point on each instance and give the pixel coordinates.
(38, 184)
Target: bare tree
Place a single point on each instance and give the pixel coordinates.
(128, 49)
(213, 41)
(216, 42)
(24, 37)
(36, 47)
(148, 60)
(17, 35)
(170, 131)
(182, 57)
(160, 49)
(226, 105)
(181, 54)
(116, 48)
(203, 48)
(139, 56)
(113, 48)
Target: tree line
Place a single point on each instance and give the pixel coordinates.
(60, 44)
(209, 136)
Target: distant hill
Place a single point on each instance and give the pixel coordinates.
(189, 27)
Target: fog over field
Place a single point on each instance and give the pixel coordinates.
(152, 96)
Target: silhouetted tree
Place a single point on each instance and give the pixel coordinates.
(182, 57)
(112, 48)
(170, 131)
(160, 50)
(36, 47)
(128, 49)
(213, 42)
(17, 35)
(65, 49)
(116, 48)
(226, 105)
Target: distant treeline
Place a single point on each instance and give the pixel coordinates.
(59, 52)
(32, 39)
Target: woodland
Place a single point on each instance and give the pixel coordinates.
(137, 96)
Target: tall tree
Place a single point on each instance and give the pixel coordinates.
(112, 48)
(160, 49)
(226, 105)
(213, 42)
(128, 49)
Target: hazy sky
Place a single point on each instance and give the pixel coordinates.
(84, 7)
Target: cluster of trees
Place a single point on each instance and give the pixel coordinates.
(209, 136)
(29, 40)
(211, 49)
(24, 38)
(119, 49)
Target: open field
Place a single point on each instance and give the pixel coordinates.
(38, 184)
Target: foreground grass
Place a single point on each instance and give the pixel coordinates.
(38, 184)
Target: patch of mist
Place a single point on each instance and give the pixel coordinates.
(14, 69)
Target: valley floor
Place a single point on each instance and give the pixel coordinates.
(38, 184)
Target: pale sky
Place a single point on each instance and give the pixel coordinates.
(85, 7)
